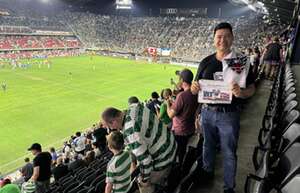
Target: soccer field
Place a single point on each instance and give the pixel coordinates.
(48, 105)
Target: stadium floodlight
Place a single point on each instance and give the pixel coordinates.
(45, 1)
(251, 7)
(254, 5)
(124, 4)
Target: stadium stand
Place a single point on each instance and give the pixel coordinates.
(85, 178)
(189, 37)
(11, 42)
(276, 158)
(25, 37)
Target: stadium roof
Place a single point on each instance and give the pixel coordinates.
(280, 9)
(277, 10)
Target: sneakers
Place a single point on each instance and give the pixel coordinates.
(230, 190)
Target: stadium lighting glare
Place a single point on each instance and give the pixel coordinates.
(251, 7)
(260, 3)
(254, 5)
(124, 4)
(245, 1)
(44, 1)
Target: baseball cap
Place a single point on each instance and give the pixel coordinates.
(35, 146)
(4, 181)
(186, 75)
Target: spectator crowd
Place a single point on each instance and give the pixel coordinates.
(188, 38)
(155, 136)
(8, 42)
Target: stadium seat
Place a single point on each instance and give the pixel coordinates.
(293, 186)
(88, 180)
(276, 175)
(65, 178)
(97, 179)
(67, 184)
(257, 183)
(95, 163)
(289, 137)
(85, 175)
(78, 171)
(101, 170)
(91, 190)
(77, 188)
(292, 96)
(100, 186)
(70, 186)
(53, 188)
(289, 85)
(289, 106)
(273, 119)
(265, 134)
(103, 163)
(288, 92)
(83, 190)
(185, 185)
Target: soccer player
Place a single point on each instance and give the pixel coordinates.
(4, 86)
(14, 64)
(2, 63)
(48, 62)
(71, 75)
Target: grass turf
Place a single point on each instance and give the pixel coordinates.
(48, 105)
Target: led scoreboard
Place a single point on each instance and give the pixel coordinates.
(124, 4)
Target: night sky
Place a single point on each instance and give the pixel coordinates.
(157, 3)
(108, 6)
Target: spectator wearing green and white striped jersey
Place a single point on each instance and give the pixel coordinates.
(28, 187)
(118, 176)
(148, 139)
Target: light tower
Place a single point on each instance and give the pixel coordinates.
(124, 4)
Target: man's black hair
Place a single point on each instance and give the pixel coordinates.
(133, 100)
(186, 76)
(154, 95)
(110, 113)
(223, 25)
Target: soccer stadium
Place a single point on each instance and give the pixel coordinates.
(128, 96)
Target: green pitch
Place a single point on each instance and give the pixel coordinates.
(47, 105)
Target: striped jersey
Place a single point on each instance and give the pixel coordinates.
(148, 139)
(28, 187)
(118, 172)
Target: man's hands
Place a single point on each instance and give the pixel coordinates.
(171, 113)
(236, 90)
(195, 88)
(169, 102)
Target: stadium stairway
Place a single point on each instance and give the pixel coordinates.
(251, 119)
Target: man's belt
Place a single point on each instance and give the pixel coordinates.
(219, 108)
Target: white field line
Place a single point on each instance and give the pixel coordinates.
(65, 86)
(28, 154)
(72, 88)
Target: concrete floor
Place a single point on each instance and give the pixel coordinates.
(251, 119)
